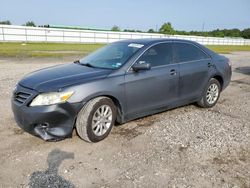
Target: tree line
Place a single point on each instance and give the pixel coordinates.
(168, 29)
(29, 23)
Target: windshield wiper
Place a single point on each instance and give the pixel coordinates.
(87, 65)
(83, 64)
(77, 62)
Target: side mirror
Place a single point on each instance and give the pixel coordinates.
(141, 66)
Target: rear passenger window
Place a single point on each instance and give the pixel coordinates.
(187, 52)
(160, 54)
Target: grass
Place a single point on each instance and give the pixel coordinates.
(45, 49)
(224, 49)
(22, 50)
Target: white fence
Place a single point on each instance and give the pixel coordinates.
(10, 33)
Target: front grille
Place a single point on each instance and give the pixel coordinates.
(21, 97)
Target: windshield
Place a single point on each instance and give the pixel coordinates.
(111, 56)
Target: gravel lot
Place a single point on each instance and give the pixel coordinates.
(184, 147)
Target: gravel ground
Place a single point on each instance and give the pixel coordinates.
(183, 147)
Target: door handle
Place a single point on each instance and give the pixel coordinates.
(210, 64)
(173, 72)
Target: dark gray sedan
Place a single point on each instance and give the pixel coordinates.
(122, 81)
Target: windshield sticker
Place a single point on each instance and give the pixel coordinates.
(134, 45)
(116, 65)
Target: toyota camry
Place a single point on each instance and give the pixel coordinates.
(122, 81)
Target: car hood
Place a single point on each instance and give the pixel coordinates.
(57, 77)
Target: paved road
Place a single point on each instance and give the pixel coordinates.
(184, 147)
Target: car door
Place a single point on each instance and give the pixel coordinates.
(195, 67)
(154, 88)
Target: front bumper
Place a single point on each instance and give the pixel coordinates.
(53, 122)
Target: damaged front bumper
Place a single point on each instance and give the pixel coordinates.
(53, 122)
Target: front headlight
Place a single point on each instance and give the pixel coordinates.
(51, 98)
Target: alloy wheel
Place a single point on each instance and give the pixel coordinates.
(212, 93)
(101, 120)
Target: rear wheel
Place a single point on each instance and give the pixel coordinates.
(96, 119)
(211, 94)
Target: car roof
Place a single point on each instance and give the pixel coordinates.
(154, 40)
(151, 41)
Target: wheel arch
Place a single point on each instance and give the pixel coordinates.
(220, 79)
(119, 107)
(116, 101)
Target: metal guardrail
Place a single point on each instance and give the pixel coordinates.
(10, 33)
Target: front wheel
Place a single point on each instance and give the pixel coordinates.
(211, 94)
(96, 119)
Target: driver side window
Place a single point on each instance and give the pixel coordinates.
(158, 55)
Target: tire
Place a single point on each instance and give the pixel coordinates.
(93, 113)
(206, 101)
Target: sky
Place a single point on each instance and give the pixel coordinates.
(130, 14)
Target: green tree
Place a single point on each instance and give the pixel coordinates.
(151, 31)
(115, 28)
(246, 33)
(232, 32)
(6, 22)
(182, 32)
(129, 30)
(30, 23)
(217, 33)
(167, 28)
